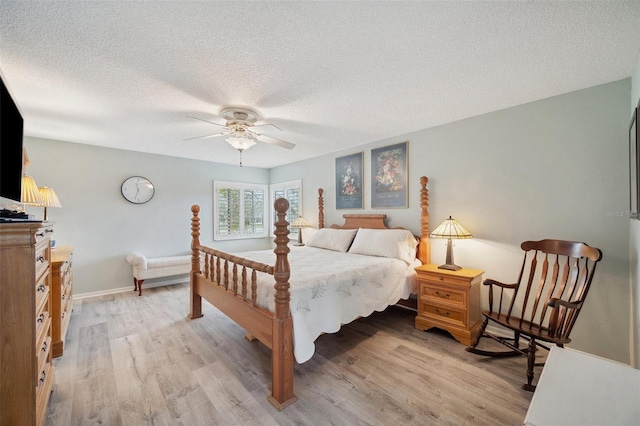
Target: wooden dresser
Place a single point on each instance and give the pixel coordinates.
(26, 372)
(449, 300)
(61, 295)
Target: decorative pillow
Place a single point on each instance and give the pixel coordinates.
(393, 243)
(333, 239)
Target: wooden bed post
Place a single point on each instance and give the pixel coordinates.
(195, 301)
(282, 350)
(424, 250)
(320, 209)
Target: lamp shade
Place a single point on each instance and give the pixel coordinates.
(30, 193)
(49, 197)
(300, 223)
(450, 228)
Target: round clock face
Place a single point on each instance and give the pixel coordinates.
(137, 189)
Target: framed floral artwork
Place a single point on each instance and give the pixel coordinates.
(389, 171)
(349, 181)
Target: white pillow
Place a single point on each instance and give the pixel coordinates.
(332, 239)
(393, 243)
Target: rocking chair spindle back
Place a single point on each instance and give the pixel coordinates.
(545, 302)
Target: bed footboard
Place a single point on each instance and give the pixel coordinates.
(221, 278)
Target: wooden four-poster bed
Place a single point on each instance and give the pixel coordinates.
(233, 285)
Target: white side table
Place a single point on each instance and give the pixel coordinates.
(577, 388)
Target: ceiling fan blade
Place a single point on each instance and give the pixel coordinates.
(274, 141)
(267, 124)
(207, 136)
(206, 121)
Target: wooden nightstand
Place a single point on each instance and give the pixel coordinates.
(449, 300)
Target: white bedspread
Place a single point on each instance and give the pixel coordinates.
(329, 288)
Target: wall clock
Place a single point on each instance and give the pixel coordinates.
(137, 189)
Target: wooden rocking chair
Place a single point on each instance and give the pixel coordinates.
(558, 277)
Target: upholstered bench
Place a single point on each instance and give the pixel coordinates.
(158, 267)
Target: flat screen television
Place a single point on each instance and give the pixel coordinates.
(11, 132)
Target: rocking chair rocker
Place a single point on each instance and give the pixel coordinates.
(559, 277)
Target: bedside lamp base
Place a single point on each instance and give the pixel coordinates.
(449, 265)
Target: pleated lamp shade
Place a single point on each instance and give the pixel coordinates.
(30, 193)
(49, 199)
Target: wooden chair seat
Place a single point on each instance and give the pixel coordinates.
(544, 303)
(532, 329)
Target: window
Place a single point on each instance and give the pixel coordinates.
(239, 210)
(292, 191)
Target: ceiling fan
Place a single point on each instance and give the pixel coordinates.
(239, 132)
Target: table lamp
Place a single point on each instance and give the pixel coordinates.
(49, 199)
(298, 224)
(450, 229)
(30, 194)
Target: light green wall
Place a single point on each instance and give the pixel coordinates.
(554, 168)
(104, 227)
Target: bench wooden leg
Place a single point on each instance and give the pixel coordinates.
(137, 285)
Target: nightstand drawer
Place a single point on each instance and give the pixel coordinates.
(444, 279)
(447, 315)
(439, 293)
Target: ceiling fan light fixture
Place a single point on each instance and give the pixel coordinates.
(240, 143)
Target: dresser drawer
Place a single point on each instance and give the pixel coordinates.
(44, 376)
(41, 293)
(42, 258)
(43, 234)
(443, 294)
(43, 326)
(447, 315)
(42, 352)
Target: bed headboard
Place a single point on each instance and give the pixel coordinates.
(355, 221)
(376, 221)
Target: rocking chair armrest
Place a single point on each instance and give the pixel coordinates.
(492, 282)
(554, 302)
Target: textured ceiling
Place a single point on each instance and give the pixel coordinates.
(127, 74)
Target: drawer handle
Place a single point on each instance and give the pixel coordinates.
(39, 234)
(441, 278)
(63, 314)
(41, 288)
(49, 230)
(43, 375)
(40, 318)
(40, 259)
(44, 346)
(62, 297)
(445, 314)
(446, 295)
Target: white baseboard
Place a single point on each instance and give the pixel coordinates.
(130, 288)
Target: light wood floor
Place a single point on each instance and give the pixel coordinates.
(132, 360)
